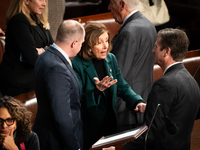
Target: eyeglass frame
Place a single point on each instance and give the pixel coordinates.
(13, 120)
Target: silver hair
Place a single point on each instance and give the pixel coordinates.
(132, 4)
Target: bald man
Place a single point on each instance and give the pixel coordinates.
(58, 121)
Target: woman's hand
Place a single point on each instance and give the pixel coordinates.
(104, 83)
(40, 50)
(140, 107)
(7, 141)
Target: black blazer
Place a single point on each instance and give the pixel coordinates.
(58, 121)
(20, 55)
(179, 95)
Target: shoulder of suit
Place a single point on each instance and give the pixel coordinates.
(138, 16)
(20, 17)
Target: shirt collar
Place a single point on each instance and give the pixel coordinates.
(129, 16)
(62, 52)
(171, 66)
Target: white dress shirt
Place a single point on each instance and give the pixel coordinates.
(62, 52)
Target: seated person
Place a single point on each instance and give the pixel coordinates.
(27, 35)
(101, 82)
(15, 126)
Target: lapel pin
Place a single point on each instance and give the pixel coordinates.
(110, 70)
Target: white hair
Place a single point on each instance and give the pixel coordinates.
(132, 4)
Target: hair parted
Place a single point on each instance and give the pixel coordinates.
(176, 40)
(92, 33)
(23, 117)
(18, 6)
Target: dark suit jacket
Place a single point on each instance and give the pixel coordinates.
(132, 46)
(22, 39)
(94, 110)
(58, 121)
(179, 95)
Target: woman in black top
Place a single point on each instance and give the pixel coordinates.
(15, 126)
(27, 35)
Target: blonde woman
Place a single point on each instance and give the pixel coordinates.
(27, 35)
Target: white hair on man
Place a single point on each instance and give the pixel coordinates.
(131, 4)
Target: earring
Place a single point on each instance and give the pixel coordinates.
(90, 50)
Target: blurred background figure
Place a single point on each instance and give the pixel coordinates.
(155, 11)
(27, 35)
(55, 15)
(102, 83)
(15, 126)
(84, 7)
(2, 32)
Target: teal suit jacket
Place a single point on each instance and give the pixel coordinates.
(93, 110)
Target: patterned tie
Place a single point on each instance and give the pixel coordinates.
(70, 63)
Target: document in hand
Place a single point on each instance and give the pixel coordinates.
(118, 139)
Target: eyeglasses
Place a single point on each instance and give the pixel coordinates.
(8, 121)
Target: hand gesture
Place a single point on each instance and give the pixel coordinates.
(104, 83)
(7, 141)
(140, 107)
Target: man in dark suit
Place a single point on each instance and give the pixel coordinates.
(132, 46)
(58, 121)
(176, 91)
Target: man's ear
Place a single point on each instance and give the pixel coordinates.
(167, 51)
(73, 44)
(122, 4)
